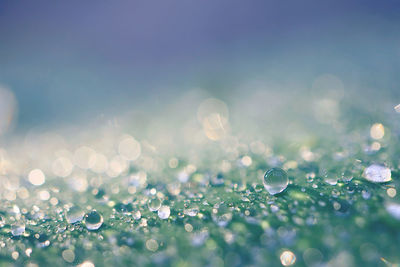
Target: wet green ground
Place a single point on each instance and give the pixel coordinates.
(220, 212)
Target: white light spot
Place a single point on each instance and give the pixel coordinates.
(377, 174)
(87, 264)
(164, 212)
(36, 177)
(397, 108)
(288, 258)
(129, 148)
(377, 131)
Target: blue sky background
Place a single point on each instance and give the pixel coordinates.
(71, 60)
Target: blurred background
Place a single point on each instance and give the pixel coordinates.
(72, 62)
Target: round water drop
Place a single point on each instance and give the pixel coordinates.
(93, 220)
(331, 180)
(137, 215)
(154, 204)
(164, 212)
(275, 180)
(377, 174)
(17, 228)
(192, 211)
(74, 214)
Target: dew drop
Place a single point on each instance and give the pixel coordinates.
(397, 108)
(377, 173)
(164, 212)
(154, 204)
(275, 180)
(93, 220)
(331, 180)
(191, 211)
(17, 228)
(68, 255)
(74, 214)
(137, 215)
(152, 245)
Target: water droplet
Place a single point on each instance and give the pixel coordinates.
(191, 211)
(331, 180)
(275, 180)
(17, 228)
(154, 204)
(152, 245)
(377, 174)
(74, 214)
(137, 215)
(68, 255)
(310, 177)
(217, 180)
(123, 208)
(188, 227)
(93, 220)
(164, 212)
(397, 108)
(347, 176)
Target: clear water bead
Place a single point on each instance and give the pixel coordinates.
(17, 228)
(164, 212)
(275, 180)
(193, 211)
(154, 204)
(377, 174)
(93, 220)
(74, 215)
(137, 215)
